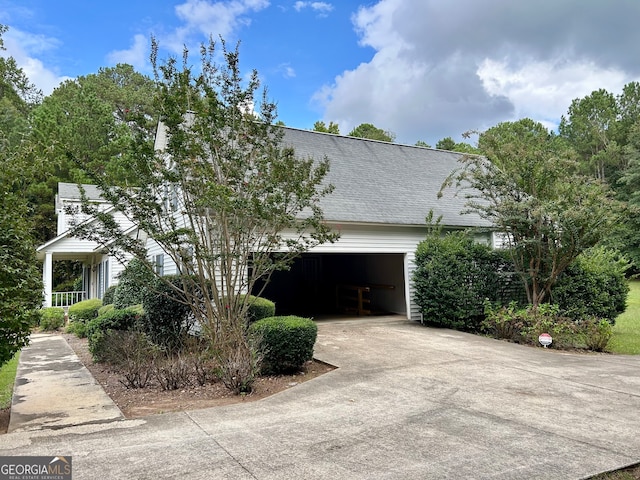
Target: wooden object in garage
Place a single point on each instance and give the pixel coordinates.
(356, 299)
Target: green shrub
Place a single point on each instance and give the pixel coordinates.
(79, 329)
(120, 320)
(107, 297)
(597, 333)
(286, 343)
(167, 318)
(132, 284)
(524, 325)
(593, 286)
(259, 308)
(51, 318)
(105, 309)
(454, 275)
(547, 319)
(85, 310)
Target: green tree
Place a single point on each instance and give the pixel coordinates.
(421, 143)
(450, 144)
(628, 110)
(526, 187)
(367, 130)
(84, 124)
(17, 97)
(221, 198)
(320, 126)
(15, 87)
(20, 279)
(590, 127)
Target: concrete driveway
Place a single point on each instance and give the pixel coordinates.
(407, 402)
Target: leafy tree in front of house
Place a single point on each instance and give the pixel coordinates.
(526, 185)
(367, 130)
(219, 200)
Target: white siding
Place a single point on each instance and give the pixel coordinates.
(153, 250)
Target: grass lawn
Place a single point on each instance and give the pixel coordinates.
(626, 332)
(7, 379)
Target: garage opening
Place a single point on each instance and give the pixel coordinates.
(339, 284)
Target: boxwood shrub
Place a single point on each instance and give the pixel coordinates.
(286, 343)
(79, 329)
(51, 318)
(259, 308)
(85, 310)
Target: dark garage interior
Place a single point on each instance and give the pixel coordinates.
(339, 284)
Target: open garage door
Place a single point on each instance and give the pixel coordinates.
(336, 283)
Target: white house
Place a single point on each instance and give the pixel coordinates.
(383, 194)
(99, 270)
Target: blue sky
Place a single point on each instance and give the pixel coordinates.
(423, 69)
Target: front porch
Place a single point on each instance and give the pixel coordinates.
(99, 271)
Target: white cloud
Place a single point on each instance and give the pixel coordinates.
(24, 47)
(323, 8)
(287, 70)
(442, 68)
(202, 17)
(542, 90)
(137, 55)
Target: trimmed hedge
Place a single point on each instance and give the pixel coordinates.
(85, 311)
(51, 318)
(286, 343)
(593, 286)
(259, 308)
(105, 309)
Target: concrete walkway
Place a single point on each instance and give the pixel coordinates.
(407, 402)
(54, 390)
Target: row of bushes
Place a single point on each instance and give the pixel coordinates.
(455, 277)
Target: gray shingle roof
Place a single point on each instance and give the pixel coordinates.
(71, 191)
(385, 183)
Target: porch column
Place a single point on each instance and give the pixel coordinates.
(47, 278)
